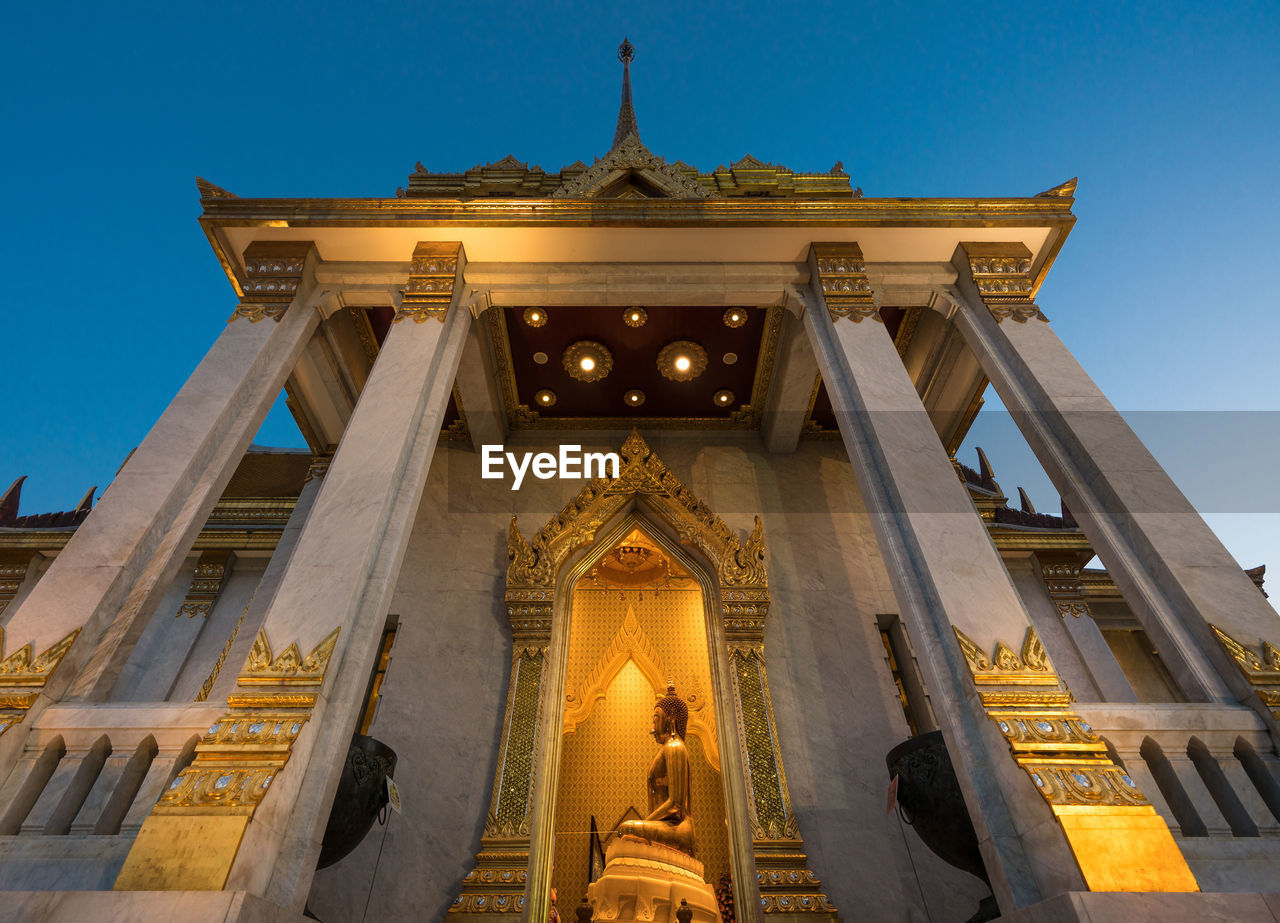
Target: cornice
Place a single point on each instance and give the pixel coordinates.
(273, 212)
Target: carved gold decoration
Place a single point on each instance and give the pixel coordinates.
(1263, 672)
(535, 317)
(682, 360)
(1002, 274)
(1062, 580)
(429, 290)
(272, 274)
(271, 700)
(207, 686)
(1004, 667)
(627, 157)
(13, 570)
(290, 667)
(192, 835)
(642, 473)
(587, 360)
(24, 668)
(635, 316)
(206, 583)
(1116, 836)
(842, 277)
(735, 317)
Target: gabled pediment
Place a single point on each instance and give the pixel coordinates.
(631, 170)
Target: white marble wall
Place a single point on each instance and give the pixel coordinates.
(835, 702)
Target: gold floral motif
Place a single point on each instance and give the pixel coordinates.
(1097, 782)
(271, 700)
(1005, 667)
(501, 902)
(13, 570)
(24, 668)
(1002, 274)
(290, 666)
(256, 312)
(429, 290)
(842, 277)
(272, 273)
(206, 583)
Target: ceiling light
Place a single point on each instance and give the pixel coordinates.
(587, 360)
(540, 358)
(635, 317)
(682, 360)
(728, 358)
(722, 398)
(545, 398)
(535, 317)
(735, 317)
(633, 398)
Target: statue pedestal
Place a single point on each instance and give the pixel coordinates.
(645, 882)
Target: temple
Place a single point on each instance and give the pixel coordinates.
(908, 697)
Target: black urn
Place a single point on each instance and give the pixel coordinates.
(930, 799)
(361, 796)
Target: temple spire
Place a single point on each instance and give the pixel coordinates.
(626, 112)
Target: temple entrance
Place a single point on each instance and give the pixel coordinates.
(638, 621)
(634, 583)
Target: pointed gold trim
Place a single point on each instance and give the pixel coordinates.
(1263, 672)
(631, 644)
(260, 668)
(1004, 667)
(23, 668)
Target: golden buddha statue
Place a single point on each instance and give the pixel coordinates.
(669, 822)
(650, 872)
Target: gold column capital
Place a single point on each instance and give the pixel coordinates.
(433, 272)
(1002, 274)
(273, 272)
(841, 276)
(1061, 575)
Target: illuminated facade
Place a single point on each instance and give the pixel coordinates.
(785, 369)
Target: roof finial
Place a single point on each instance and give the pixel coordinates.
(626, 113)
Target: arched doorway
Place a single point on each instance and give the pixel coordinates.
(638, 620)
(514, 869)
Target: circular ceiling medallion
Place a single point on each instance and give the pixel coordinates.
(728, 358)
(545, 398)
(735, 317)
(635, 317)
(587, 360)
(633, 398)
(683, 360)
(723, 398)
(535, 317)
(540, 358)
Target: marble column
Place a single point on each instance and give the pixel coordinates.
(957, 603)
(249, 813)
(1173, 571)
(103, 584)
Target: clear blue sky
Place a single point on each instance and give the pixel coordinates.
(1166, 111)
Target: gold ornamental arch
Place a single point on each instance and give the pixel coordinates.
(512, 871)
